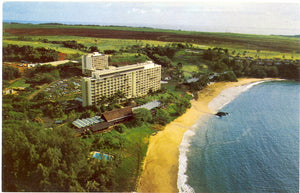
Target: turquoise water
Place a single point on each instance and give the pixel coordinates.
(253, 149)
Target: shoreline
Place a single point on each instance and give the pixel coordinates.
(161, 164)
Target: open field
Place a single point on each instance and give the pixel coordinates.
(37, 44)
(19, 83)
(241, 41)
(265, 53)
(101, 43)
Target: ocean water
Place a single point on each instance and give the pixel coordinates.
(253, 149)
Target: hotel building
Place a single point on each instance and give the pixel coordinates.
(132, 80)
(94, 61)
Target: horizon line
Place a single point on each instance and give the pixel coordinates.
(158, 26)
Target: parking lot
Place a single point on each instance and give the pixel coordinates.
(65, 87)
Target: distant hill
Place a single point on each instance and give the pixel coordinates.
(291, 36)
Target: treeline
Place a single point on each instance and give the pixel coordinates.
(14, 53)
(172, 105)
(220, 62)
(10, 73)
(48, 73)
(39, 160)
(72, 44)
(162, 55)
(35, 159)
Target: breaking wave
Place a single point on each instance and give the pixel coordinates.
(216, 104)
(183, 149)
(228, 95)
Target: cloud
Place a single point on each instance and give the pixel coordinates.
(143, 11)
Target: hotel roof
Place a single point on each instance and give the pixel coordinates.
(149, 106)
(80, 123)
(117, 114)
(122, 69)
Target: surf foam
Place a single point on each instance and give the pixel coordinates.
(216, 104)
(229, 94)
(184, 148)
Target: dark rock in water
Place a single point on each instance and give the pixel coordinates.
(221, 114)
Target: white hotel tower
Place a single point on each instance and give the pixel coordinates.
(132, 80)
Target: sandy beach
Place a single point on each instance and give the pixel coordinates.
(161, 162)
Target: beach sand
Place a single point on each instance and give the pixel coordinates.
(160, 167)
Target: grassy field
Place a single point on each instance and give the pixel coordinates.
(255, 45)
(127, 59)
(189, 69)
(36, 44)
(19, 83)
(230, 40)
(136, 149)
(148, 29)
(133, 151)
(191, 62)
(101, 43)
(264, 54)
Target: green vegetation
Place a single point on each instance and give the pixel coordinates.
(280, 44)
(35, 159)
(39, 158)
(102, 44)
(28, 53)
(50, 160)
(47, 73)
(10, 73)
(19, 83)
(220, 62)
(263, 54)
(37, 44)
(122, 59)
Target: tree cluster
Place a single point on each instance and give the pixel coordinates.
(10, 73)
(172, 105)
(48, 73)
(159, 54)
(14, 53)
(73, 45)
(38, 160)
(201, 83)
(41, 75)
(225, 76)
(220, 62)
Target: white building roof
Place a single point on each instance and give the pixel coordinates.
(149, 106)
(79, 123)
(145, 65)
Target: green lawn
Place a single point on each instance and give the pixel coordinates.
(19, 83)
(127, 59)
(135, 150)
(190, 68)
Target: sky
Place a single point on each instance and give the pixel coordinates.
(251, 17)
